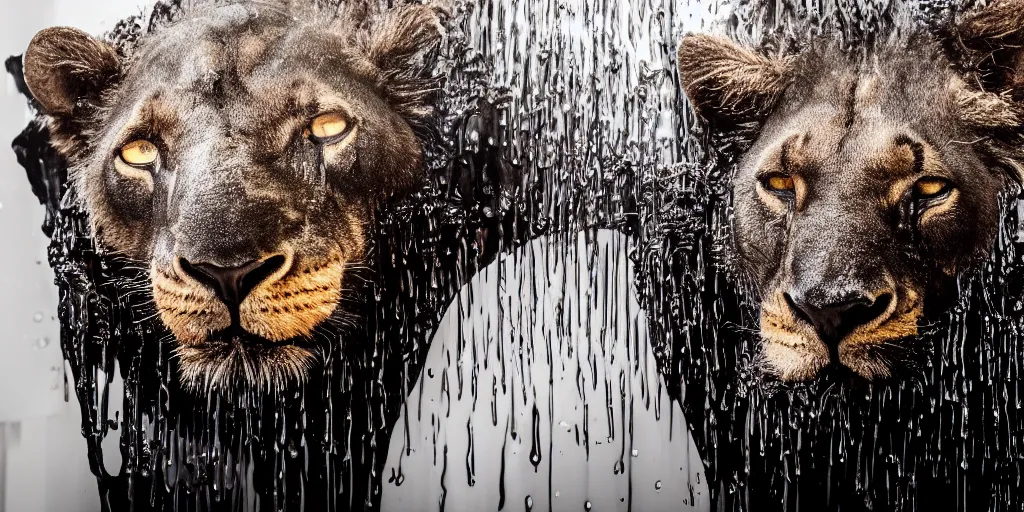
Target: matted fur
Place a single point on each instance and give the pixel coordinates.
(226, 91)
(870, 120)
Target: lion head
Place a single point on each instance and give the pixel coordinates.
(872, 178)
(239, 154)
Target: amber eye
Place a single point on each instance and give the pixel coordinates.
(139, 153)
(778, 183)
(328, 127)
(931, 188)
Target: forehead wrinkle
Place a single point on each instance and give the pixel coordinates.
(267, 117)
(296, 94)
(312, 44)
(194, 65)
(154, 114)
(278, 103)
(253, 48)
(823, 113)
(867, 125)
(813, 148)
(213, 39)
(199, 83)
(866, 97)
(225, 59)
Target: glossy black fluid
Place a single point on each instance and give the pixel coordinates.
(944, 437)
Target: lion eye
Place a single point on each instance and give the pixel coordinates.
(328, 127)
(139, 153)
(931, 188)
(778, 183)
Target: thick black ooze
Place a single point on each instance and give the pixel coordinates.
(944, 436)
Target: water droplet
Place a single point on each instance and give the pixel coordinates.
(43, 342)
(657, 485)
(37, 317)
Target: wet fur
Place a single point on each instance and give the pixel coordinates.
(206, 87)
(955, 92)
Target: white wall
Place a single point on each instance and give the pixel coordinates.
(43, 464)
(554, 325)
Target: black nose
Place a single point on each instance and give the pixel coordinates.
(834, 319)
(233, 284)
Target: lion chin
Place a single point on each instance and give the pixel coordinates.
(238, 363)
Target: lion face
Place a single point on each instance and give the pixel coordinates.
(874, 179)
(239, 154)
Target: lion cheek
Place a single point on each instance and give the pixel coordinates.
(792, 352)
(294, 306)
(190, 313)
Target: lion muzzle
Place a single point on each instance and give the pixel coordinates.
(860, 331)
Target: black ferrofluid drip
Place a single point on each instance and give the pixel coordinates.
(319, 446)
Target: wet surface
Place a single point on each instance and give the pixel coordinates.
(545, 386)
(945, 439)
(511, 159)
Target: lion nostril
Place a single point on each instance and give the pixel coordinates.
(834, 320)
(797, 306)
(233, 284)
(259, 274)
(866, 311)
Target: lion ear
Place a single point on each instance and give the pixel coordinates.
(986, 110)
(729, 84)
(399, 38)
(64, 66)
(994, 40)
(398, 47)
(401, 43)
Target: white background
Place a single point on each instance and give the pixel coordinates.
(43, 464)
